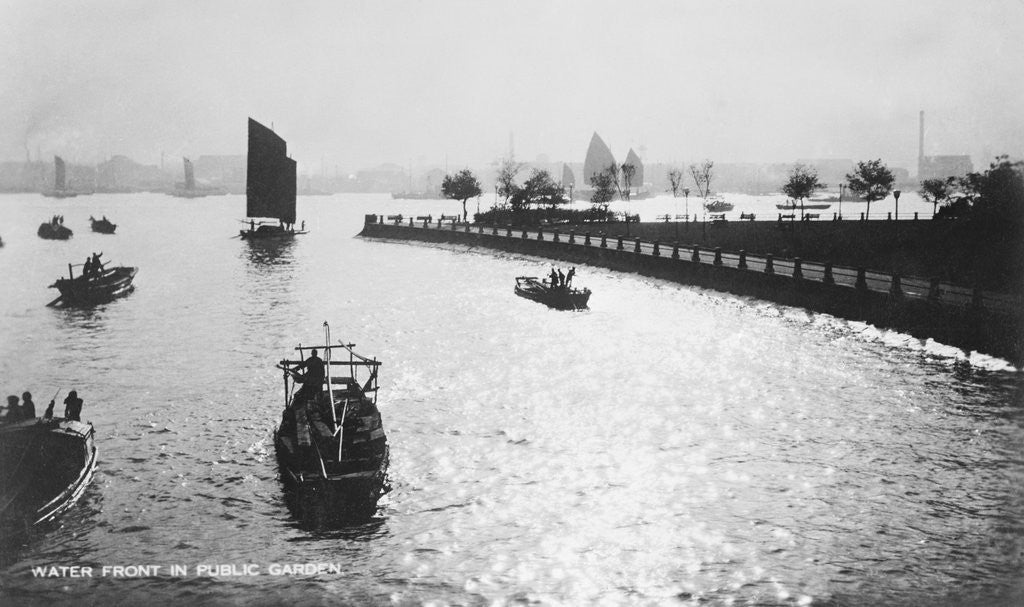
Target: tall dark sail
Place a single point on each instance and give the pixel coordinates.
(270, 176)
(60, 173)
(190, 176)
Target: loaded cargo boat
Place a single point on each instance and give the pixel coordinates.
(270, 187)
(331, 446)
(45, 466)
(558, 297)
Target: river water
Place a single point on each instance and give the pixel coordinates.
(669, 446)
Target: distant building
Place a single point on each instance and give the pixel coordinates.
(225, 171)
(939, 167)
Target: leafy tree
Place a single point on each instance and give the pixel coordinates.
(461, 186)
(702, 176)
(937, 191)
(871, 180)
(997, 196)
(675, 179)
(508, 170)
(540, 189)
(604, 184)
(803, 181)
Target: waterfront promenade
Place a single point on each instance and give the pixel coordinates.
(968, 318)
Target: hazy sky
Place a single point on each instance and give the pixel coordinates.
(353, 84)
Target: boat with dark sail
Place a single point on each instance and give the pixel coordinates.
(54, 229)
(558, 297)
(45, 467)
(270, 186)
(93, 287)
(103, 226)
(60, 188)
(331, 447)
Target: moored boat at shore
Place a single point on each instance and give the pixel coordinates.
(45, 467)
(97, 287)
(790, 206)
(331, 446)
(558, 297)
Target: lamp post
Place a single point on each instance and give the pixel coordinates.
(686, 193)
(896, 195)
(842, 186)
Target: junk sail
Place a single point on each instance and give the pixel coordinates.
(190, 175)
(60, 174)
(270, 176)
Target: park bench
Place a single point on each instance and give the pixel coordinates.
(427, 218)
(717, 217)
(395, 218)
(664, 218)
(682, 218)
(747, 216)
(452, 218)
(790, 216)
(810, 216)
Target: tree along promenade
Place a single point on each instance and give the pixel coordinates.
(967, 318)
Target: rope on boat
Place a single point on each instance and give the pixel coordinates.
(330, 389)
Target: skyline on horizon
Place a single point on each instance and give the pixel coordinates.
(351, 85)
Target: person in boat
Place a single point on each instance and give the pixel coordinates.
(13, 412)
(49, 410)
(73, 407)
(312, 378)
(561, 278)
(28, 408)
(568, 277)
(303, 228)
(252, 225)
(554, 278)
(87, 267)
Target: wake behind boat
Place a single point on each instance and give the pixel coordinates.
(558, 297)
(93, 286)
(270, 186)
(45, 466)
(330, 444)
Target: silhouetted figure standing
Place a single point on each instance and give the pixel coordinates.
(49, 410)
(13, 410)
(561, 278)
(568, 277)
(87, 268)
(554, 278)
(97, 265)
(73, 407)
(312, 379)
(28, 408)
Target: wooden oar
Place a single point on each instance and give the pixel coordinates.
(54, 302)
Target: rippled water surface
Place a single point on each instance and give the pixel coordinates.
(668, 446)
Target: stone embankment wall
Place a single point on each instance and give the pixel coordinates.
(970, 320)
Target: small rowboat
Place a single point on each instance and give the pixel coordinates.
(560, 298)
(103, 226)
(109, 284)
(45, 466)
(54, 231)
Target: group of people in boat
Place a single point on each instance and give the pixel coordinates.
(57, 220)
(26, 409)
(560, 280)
(93, 266)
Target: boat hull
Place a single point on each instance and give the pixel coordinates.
(274, 234)
(46, 465)
(321, 489)
(786, 207)
(103, 227)
(49, 231)
(114, 283)
(557, 298)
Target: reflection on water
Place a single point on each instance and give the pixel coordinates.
(671, 445)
